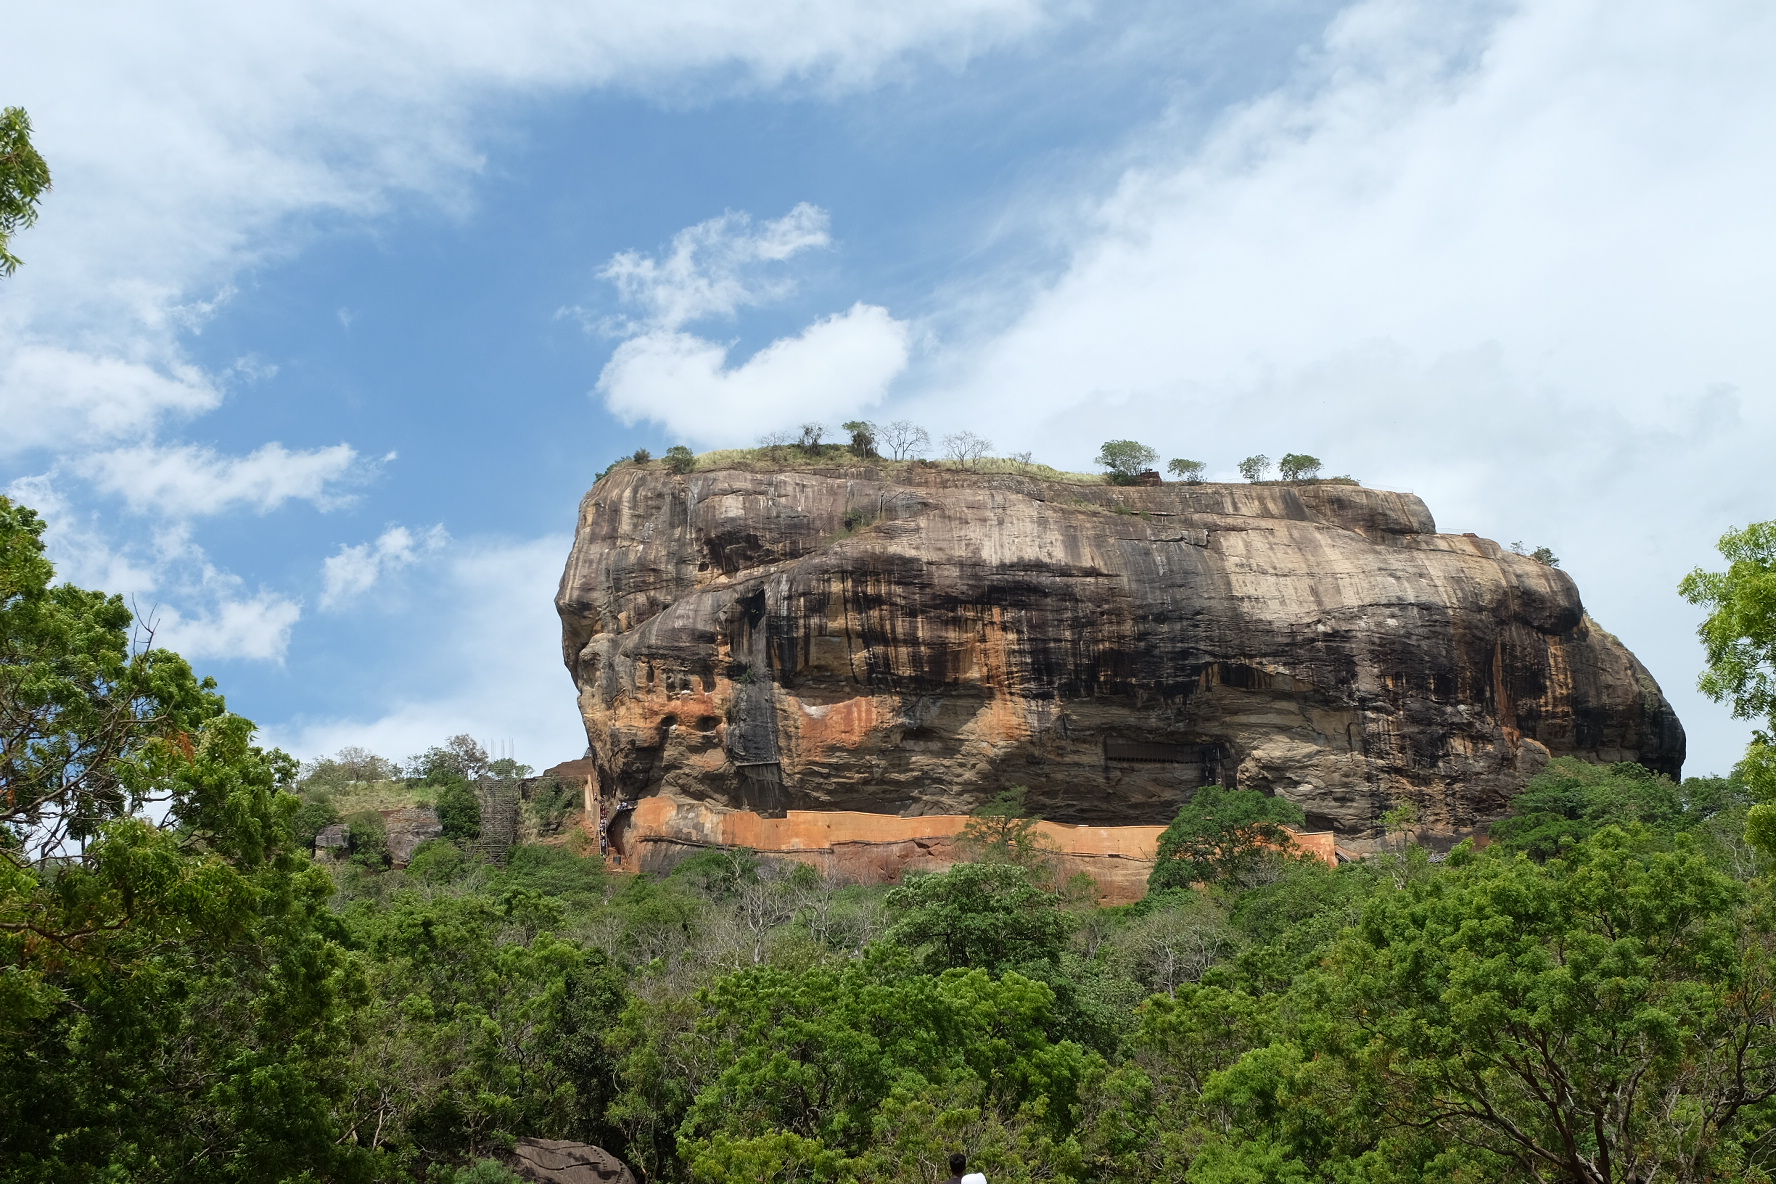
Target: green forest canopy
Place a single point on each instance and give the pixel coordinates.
(188, 996)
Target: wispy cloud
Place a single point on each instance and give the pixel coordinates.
(484, 672)
(189, 480)
(717, 267)
(355, 569)
(254, 628)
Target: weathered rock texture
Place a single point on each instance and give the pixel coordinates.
(559, 1161)
(911, 640)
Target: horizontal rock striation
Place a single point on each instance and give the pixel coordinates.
(910, 640)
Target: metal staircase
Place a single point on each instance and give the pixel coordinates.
(499, 818)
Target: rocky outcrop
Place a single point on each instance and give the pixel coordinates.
(560, 1161)
(910, 640)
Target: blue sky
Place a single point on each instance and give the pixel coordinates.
(334, 313)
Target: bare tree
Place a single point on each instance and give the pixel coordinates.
(812, 434)
(965, 448)
(775, 442)
(904, 439)
(1174, 946)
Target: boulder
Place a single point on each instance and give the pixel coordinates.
(408, 827)
(558, 1161)
(911, 640)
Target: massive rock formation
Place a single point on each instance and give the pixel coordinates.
(907, 639)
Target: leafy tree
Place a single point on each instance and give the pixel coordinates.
(641, 456)
(1739, 635)
(1221, 835)
(349, 766)
(1298, 466)
(459, 758)
(1609, 1016)
(459, 811)
(1189, 471)
(1125, 460)
(1739, 638)
(1002, 831)
(170, 995)
(680, 459)
(989, 915)
(315, 816)
(905, 439)
(863, 437)
(24, 179)
(1571, 800)
(825, 1054)
(1253, 468)
(965, 448)
(367, 835)
(812, 434)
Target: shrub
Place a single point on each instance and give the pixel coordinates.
(314, 816)
(1541, 555)
(459, 811)
(641, 456)
(680, 459)
(367, 835)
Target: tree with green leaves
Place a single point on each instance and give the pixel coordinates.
(1220, 836)
(680, 459)
(24, 179)
(1188, 471)
(1253, 468)
(1571, 800)
(1298, 466)
(1609, 1016)
(171, 994)
(989, 915)
(863, 437)
(1125, 460)
(1739, 639)
(1004, 831)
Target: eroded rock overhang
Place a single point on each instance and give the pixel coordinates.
(909, 640)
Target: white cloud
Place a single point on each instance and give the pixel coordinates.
(713, 267)
(256, 628)
(494, 670)
(1522, 267)
(191, 605)
(191, 139)
(355, 569)
(189, 480)
(54, 397)
(838, 365)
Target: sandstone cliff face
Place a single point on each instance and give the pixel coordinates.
(910, 640)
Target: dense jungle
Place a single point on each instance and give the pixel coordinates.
(187, 995)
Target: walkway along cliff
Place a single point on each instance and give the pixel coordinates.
(908, 640)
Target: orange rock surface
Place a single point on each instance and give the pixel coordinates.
(851, 845)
